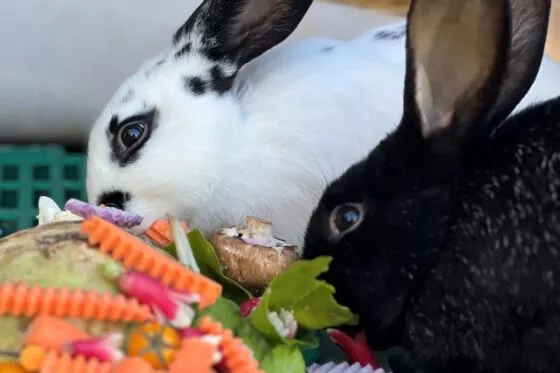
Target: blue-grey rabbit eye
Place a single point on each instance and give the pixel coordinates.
(345, 218)
(131, 134)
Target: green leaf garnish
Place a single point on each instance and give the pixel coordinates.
(253, 339)
(298, 290)
(223, 311)
(282, 359)
(210, 267)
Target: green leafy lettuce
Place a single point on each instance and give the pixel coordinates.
(298, 290)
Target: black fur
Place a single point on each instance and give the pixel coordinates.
(234, 32)
(391, 34)
(114, 198)
(458, 255)
(195, 85)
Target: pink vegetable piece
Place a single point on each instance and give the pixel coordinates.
(190, 333)
(357, 349)
(166, 304)
(113, 215)
(248, 307)
(106, 348)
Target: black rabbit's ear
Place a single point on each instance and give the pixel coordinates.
(529, 26)
(237, 31)
(456, 58)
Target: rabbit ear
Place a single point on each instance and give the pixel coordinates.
(456, 57)
(529, 25)
(237, 31)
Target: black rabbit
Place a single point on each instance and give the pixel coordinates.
(446, 238)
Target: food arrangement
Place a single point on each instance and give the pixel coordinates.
(85, 292)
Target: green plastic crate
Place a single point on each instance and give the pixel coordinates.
(28, 172)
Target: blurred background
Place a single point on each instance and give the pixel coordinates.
(61, 61)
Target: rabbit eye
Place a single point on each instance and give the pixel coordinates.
(345, 218)
(131, 134)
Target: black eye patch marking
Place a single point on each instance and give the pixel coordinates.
(183, 51)
(219, 82)
(141, 125)
(195, 84)
(115, 198)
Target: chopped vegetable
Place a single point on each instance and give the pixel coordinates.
(210, 267)
(167, 305)
(113, 215)
(105, 348)
(20, 299)
(132, 365)
(52, 332)
(135, 254)
(31, 357)
(160, 232)
(49, 212)
(154, 343)
(357, 348)
(182, 245)
(249, 306)
(64, 363)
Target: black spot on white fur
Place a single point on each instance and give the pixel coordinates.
(114, 198)
(220, 82)
(195, 85)
(327, 49)
(390, 34)
(184, 50)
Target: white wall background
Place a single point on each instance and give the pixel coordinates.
(61, 60)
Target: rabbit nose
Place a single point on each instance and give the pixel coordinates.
(114, 198)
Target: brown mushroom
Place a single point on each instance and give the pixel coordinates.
(252, 256)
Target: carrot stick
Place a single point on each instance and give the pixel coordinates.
(238, 357)
(135, 254)
(52, 332)
(21, 299)
(160, 232)
(31, 357)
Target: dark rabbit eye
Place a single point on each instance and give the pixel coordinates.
(131, 134)
(345, 218)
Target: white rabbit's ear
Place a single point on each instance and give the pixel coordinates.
(529, 26)
(456, 57)
(237, 31)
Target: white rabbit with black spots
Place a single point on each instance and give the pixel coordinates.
(225, 124)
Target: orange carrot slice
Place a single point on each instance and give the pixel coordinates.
(160, 232)
(31, 357)
(135, 254)
(12, 367)
(238, 357)
(52, 332)
(195, 355)
(132, 365)
(24, 300)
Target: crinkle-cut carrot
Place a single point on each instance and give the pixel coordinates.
(31, 357)
(135, 254)
(133, 364)
(195, 355)
(55, 362)
(23, 300)
(52, 332)
(238, 357)
(160, 232)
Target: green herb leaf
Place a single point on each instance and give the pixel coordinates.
(283, 358)
(253, 339)
(223, 311)
(297, 289)
(210, 267)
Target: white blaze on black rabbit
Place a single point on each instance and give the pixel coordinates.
(455, 251)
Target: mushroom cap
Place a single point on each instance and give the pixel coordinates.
(252, 266)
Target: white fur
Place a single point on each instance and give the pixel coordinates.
(296, 118)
